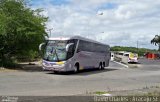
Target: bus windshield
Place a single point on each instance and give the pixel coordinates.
(55, 50)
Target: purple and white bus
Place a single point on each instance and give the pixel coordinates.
(74, 54)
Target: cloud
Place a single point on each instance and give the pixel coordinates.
(122, 23)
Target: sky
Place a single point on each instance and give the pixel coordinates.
(113, 22)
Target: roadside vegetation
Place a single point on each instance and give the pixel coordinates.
(145, 91)
(140, 51)
(22, 29)
(156, 41)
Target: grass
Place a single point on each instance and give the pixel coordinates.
(153, 94)
(100, 92)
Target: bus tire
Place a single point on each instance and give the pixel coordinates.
(103, 65)
(55, 72)
(100, 66)
(76, 68)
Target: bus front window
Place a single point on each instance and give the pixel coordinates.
(56, 51)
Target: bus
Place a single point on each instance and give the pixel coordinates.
(131, 57)
(112, 56)
(62, 54)
(126, 57)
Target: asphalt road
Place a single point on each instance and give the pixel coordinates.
(113, 78)
(145, 61)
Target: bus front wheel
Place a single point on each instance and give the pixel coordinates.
(76, 68)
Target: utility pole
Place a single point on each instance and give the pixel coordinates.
(137, 45)
(91, 18)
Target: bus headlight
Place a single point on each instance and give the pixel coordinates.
(60, 63)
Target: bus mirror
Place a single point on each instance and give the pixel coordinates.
(40, 49)
(40, 46)
(69, 47)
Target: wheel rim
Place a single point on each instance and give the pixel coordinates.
(103, 66)
(75, 69)
(100, 66)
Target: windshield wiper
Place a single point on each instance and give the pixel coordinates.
(56, 54)
(55, 51)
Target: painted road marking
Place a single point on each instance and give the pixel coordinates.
(121, 64)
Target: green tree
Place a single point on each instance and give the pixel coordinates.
(156, 41)
(21, 29)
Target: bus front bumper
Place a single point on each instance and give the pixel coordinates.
(54, 68)
(133, 60)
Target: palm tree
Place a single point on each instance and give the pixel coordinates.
(156, 41)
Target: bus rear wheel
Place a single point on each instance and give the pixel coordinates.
(55, 72)
(100, 66)
(103, 65)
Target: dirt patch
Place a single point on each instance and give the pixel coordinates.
(151, 91)
(2, 69)
(25, 66)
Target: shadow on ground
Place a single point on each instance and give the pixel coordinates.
(83, 72)
(27, 67)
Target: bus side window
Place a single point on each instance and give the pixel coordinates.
(80, 46)
(71, 52)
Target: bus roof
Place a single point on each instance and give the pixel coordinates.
(74, 37)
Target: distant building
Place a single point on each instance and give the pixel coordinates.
(150, 55)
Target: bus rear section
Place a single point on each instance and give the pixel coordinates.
(92, 55)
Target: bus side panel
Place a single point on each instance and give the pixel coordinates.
(90, 59)
(107, 58)
(85, 59)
